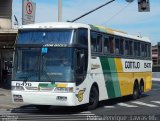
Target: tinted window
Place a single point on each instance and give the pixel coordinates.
(128, 47)
(117, 46)
(121, 46)
(111, 43)
(131, 48)
(99, 43)
(136, 48)
(142, 49)
(93, 42)
(106, 45)
(96, 42)
(149, 50)
(54, 65)
(83, 36)
(58, 36)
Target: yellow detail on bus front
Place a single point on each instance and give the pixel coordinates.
(62, 85)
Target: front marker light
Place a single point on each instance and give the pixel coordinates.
(17, 88)
(64, 89)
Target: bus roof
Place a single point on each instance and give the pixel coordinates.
(69, 25)
(52, 25)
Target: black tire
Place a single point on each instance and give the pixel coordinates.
(93, 99)
(43, 107)
(141, 89)
(136, 91)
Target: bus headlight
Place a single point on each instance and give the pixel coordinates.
(18, 88)
(18, 98)
(64, 89)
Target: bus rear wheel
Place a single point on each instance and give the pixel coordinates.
(136, 91)
(141, 90)
(93, 99)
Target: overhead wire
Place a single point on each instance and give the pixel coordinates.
(116, 14)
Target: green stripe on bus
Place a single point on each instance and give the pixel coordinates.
(107, 76)
(111, 77)
(46, 85)
(114, 76)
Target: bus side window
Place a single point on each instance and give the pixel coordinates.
(121, 46)
(117, 46)
(126, 47)
(99, 43)
(142, 49)
(111, 41)
(131, 48)
(93, 42)
(136, 49)
(146, 50)
(96, 42)
(149, 51)
(106, 45)
(139, 52)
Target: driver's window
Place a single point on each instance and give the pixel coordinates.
(81, 65)
(80, 62)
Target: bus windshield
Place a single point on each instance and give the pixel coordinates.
(44, 64)
(58, 36)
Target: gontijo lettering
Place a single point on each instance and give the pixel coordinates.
(132, 65)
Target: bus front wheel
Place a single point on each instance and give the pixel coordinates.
(93, 98)
(43, 107)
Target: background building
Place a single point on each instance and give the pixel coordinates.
(156, 57)
(7, 40)
(155, 54)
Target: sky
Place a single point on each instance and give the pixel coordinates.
(119, 15)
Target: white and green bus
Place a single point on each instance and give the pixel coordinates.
(70, 64)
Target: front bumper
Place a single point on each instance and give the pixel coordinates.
(44, 98)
